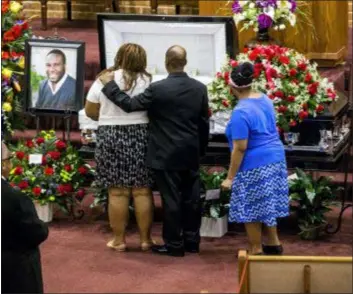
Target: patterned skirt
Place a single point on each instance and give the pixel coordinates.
(121, 156)
(260, 195)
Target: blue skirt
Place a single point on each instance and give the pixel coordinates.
(260, 195)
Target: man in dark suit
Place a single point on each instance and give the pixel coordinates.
(179, 128)
(21, 234)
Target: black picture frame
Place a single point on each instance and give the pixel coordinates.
(80, 75)
(232, 44)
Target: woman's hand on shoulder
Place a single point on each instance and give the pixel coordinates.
(107, 77)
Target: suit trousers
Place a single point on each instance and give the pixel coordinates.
(180, 192)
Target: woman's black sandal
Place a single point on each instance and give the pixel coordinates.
(272, 249)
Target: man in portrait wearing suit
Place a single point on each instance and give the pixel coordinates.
(59, 90)
(21, 234)
(179, 128)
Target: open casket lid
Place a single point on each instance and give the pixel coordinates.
(207, 40)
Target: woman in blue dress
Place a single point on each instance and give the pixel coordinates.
(257, 174)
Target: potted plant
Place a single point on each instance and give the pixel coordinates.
(311, 200)
(215, 205)
(49, 171)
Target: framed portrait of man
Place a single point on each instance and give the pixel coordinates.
(54, 79)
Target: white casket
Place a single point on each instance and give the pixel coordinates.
(208, 40)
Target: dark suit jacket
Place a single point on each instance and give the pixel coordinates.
(179, 125)
(21, 233)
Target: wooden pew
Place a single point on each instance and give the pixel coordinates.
(294, 274)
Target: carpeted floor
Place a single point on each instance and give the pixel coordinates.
(75, 259)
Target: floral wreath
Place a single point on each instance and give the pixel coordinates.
(284, 75)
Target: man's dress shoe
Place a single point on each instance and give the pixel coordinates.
(165, 250)
(192, 248)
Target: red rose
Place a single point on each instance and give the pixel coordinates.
(18, 171)
(80, 193)
(312, 89)
(29, 144)
(226, 76)
(293, 72)
(60, 145)
(55, 155)
(36, 191)
(279, 94)
(331, 94)
(67, 167)
(82, 170)
(25, 26)
(219, 75)
(246, 50)
(284, 59)
(320, 108)
(303, 114)
(233, 63)
(302, 66)
(290, 98)
(282, 109)
(308, 78)
(64, 188)
(293, 123)
(253, 55)
(40, 140)
(20, 155)
(271, 96)
(295, 81)
(225, 103)
(48, 171)
(23, 185)
(44, 160)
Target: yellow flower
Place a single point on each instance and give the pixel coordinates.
(6, 73)
(51, 198)
(15, 7)
(7, 107)
(21, 62)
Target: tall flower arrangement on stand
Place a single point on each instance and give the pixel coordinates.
(264, 14)
(286, 76)
(15, 31)
(57, 178)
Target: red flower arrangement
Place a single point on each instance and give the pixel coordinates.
(15, 31)
(56, 178)
(286, 76)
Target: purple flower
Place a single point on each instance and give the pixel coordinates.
(265, 3)
(265, 21)
(236, 8)
(294, 5)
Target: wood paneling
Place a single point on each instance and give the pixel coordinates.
(325, 42)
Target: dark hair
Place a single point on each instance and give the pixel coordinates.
(243, 74)
(132, 59)
(58, 52)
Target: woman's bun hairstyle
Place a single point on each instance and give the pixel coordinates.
(243, 74)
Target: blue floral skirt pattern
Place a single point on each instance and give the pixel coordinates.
(260, 195)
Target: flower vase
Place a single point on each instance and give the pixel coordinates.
(45, 212)
(214, 227)
(262, 38)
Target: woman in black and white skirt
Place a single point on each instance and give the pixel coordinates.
(121, 147)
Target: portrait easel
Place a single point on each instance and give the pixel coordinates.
(67, 116)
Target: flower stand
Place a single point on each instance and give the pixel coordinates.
(214, 227)
(45, 212)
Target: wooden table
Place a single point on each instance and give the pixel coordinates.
(110, 5)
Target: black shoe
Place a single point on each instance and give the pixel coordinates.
(272, 249)
(192, 248)
(164, 250)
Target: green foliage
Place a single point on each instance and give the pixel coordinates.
(36, 79)
(312, 199)
(215, 208)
